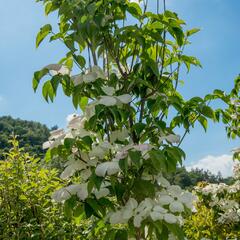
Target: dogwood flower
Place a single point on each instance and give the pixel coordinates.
(107, 168)
(102, 192)
(91, 75)
(108, 90)
(55, 69)
(65, 193)
(172, 138)
(120, 135)
(56, 138)
(72, 167)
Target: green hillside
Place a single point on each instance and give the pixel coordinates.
(30, 134)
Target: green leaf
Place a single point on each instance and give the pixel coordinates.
(135, 157)
(143, 188)
(176, 230)
(192, 31)
(134, 9)
(98, 211)
(123, 164)
(203, 121)
(47, 91)
(178, 34)
(83, 103)
(121, 235)
(158, 160)
(80, 60)
(44, 31)
(208, 112)
(37, 77)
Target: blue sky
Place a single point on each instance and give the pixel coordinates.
(217, 46)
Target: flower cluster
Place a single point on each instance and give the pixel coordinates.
(167, 205)
(223, 199)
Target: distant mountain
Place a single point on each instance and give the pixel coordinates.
(30, 134)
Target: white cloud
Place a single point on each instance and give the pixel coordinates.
(215, 164)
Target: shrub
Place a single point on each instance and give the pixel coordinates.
(26, 207)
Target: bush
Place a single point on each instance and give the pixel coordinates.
(26, 207)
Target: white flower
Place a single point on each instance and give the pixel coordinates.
(116, 218)
(174, 190)
(125, 98)
(85, 174)
(56, 138)
(55, 69)
(172, 138)
(165, 199)
(107, 168)
(130, 206)
(108, 90)
(170, 218)
(100, 150)
(65, 193)
(142, 211)
(72, 168)
(120, 135)
(176, 206)
(75, 121)
(158, 213)
(90, 110)
(91, 75)
(107, 101)
(102, 192)
(162, 181)
(48, 144)
(56, 134)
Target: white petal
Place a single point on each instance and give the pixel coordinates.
(77, 79)
(162, 181)
(61, 195)
(76, 121)
(85, 174)
(159, 209)
(172, 138)
(165, 200)
(107, 101)
(47, 145)
(120, 135)
(89, 77)
(71, 169)
(156, 216)
(125, 98)
(82, 193)
(127, 213)
(90, 111)
(108, 90)
(143, 147)
(102, 192)
(116, 218)
(97, 151)
(55, 69)
(101, 169)
(175, 190)
(137, 221)
(98, 71)
(170, 218)
(59, 133)
(176, 206)
(132, 203)
(186, 197)
(113, 168)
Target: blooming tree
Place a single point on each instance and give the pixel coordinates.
(124, 142)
